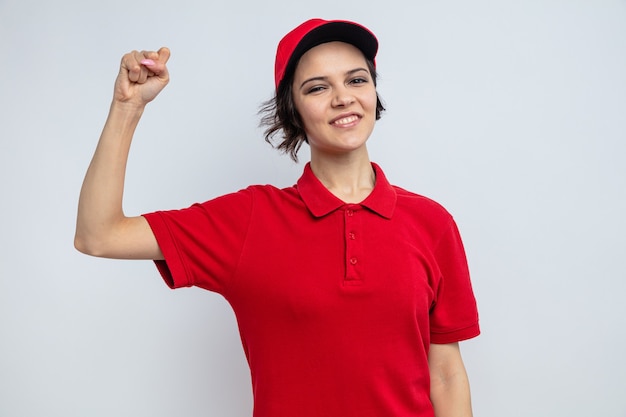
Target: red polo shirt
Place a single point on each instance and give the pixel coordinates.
(337, 304)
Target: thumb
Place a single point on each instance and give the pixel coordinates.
(164, 54)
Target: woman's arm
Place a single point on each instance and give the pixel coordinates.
(102, 229)
(449, 385)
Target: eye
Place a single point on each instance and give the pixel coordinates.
(359, 80)
(315, 89)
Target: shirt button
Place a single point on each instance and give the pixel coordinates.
(353, 261)
(352, 236)
(349, 213)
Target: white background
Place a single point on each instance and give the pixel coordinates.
(512, 114)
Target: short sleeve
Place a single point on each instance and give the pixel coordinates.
(202, 244)
(454, 315)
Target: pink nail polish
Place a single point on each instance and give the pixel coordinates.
(147, 62)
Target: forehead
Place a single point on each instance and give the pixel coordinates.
(330, 56)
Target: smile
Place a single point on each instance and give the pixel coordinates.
(345, 120)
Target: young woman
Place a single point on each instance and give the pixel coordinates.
(351, 294)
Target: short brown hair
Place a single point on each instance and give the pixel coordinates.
(279, 114)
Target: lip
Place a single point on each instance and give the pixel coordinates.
(352, 115)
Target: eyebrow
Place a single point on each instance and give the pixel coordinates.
(322, 78)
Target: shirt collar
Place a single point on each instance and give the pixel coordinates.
(320, 201)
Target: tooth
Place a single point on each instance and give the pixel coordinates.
(346, 120)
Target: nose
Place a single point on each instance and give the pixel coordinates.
(342, 98)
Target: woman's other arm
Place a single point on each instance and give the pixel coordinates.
(102, 229)
(449, 385)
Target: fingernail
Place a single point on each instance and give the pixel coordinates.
(147, 62)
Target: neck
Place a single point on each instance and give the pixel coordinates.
(349, 179)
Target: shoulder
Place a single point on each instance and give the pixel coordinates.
(260, 197)
(411, 207)
(253, 192)
(413, 202)
(270, 192)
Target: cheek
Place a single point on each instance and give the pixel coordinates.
(371, 101)
(310, 113)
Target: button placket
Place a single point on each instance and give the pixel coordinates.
(353, 246)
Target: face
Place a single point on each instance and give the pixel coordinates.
(335, 96)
